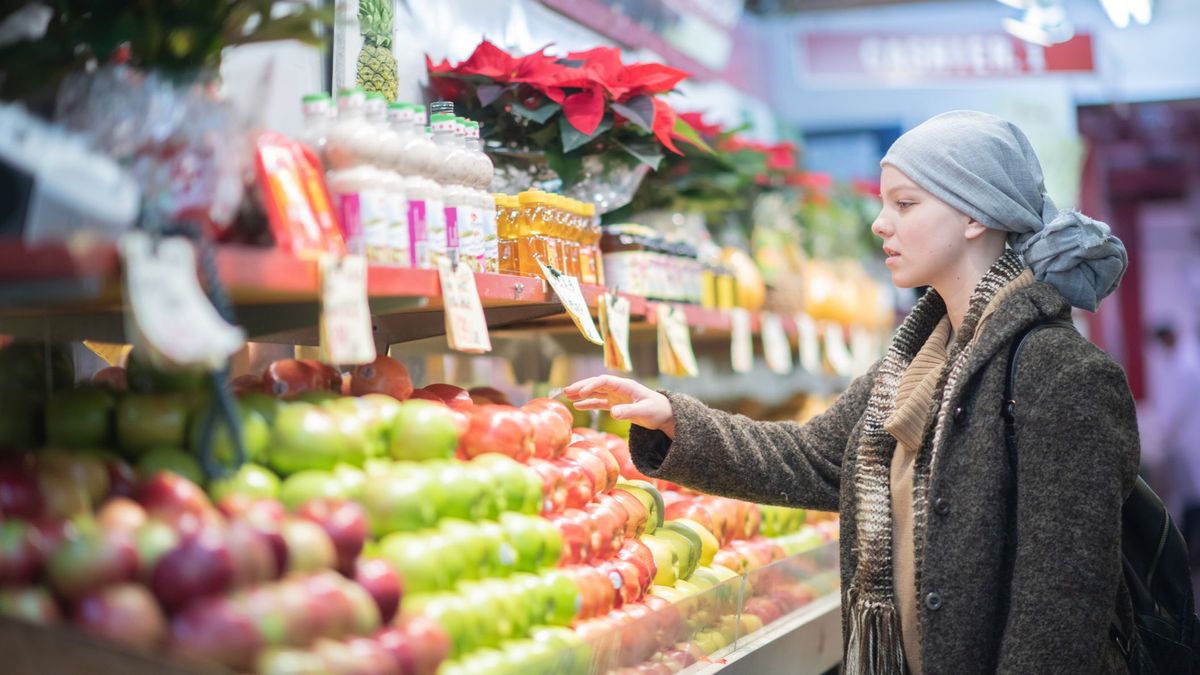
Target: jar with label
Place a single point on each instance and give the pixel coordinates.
(507, 212)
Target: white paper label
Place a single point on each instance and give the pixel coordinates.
(675, 355)
(835, 350)
(568, 292)
(466, 324)
(346, 333)
(810, 348)
(741, 343)
(168, 310)
(614, 328)
(775, 344)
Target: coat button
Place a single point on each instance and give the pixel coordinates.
(941, 506)
(958, 414)
(933, 601)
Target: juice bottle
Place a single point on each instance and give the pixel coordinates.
(557, 231)
(593, 266)
(531, 232)
(571, 240)
(507, 210)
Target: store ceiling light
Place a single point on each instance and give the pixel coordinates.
(1044, 22)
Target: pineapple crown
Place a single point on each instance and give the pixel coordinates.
(375, 22)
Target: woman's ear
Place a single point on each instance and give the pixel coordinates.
(974, 229)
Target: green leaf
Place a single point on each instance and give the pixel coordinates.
(649, 154)
(543, 136)
(488, 93)
(687, 133)
(638, 110)
(567, 166)
(539, 114)
(572, 138)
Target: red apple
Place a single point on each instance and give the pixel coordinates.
(580, 484)
(612, 468)
(638, 514)
(671, 623)
(425, 394)
(551, 432)
(554, 487)
(638, 553)
(20, 496)
(495, 428)
(455, 397)
(253, 554)
(201, 565)
(593, 465)
(486, 395)
(168, 496)
(246, 383)
(309, 548)
(382, 582)
(384, 375)
(346, 524)
(124, 613)
(287, 378)
(22, 552)
(122, 479)
(764, 608)
(215, 630)
(608, 520)
(575, 528)
(626, 578)
(417, 644)
(121, 515)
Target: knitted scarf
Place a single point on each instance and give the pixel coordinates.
(874, 646)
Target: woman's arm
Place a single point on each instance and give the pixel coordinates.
(1077, 456)
(767, 462)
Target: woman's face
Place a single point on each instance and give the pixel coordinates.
(923, 237)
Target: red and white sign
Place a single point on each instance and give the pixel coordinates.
(903, 58)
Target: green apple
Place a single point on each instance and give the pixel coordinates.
(251, 480)
(692, 545)
(314, 396)
(365, 427)
(147, 421)
(564, 596)
(403, 498)
(552, 543)
(80, 418)
(524, 535)
(465, 492)
(146, 377)
(652, 500)
(532, 657)
(513, 610)
(262, 403)
(534, 595)
(666, 559)
(416, 558)
(305, 436)
(574, 655)
(85, 468)
(256, 435)
(449, 611)
(28, 369)
(20, 422)
(468, 541)
(170, 459)
(423, 429)
(488, 612)
(511, 478)
(352, 479)
(302, 486)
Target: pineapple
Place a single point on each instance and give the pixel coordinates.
(376, 64)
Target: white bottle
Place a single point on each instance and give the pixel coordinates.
(424, 194)
(318, 114)
(389, 243)
(470, 217)
(452, 174)
(484, 170)
(349, 173)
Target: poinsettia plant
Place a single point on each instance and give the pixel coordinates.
(588, 103)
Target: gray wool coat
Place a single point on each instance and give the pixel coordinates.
(1022, 568)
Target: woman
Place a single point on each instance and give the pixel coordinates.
(956, 558)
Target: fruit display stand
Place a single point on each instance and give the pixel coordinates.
(367, 535)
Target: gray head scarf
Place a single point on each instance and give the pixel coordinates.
(985, 167)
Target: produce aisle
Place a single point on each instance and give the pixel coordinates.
(288, 402)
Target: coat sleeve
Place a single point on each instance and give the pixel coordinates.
(1077, 457)
(767, 462)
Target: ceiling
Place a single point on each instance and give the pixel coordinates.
(794, 6)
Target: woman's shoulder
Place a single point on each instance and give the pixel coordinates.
(1056, 343)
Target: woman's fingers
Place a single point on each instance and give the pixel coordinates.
(593, 404)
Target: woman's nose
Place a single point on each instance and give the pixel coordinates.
(879, 227)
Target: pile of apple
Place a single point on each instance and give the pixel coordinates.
(518, 543)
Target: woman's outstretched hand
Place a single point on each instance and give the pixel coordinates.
(625, 399)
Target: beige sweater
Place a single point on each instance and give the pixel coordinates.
(915, 397)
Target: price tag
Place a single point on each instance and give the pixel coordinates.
(836, 351)
(169, 313)
(568, 292)
(810, 348)
(346, 334)
(675, 355)
(614, 327)
(862, 349)
(466, 325)
(741, 345)
(775, 344)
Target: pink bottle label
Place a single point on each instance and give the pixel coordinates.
(350, 216)
(418, 233)
(451, 228)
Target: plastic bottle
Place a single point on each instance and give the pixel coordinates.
(531, 231)
(418, 164)
(507, 211)
(351, 178)
(387, 239)
(318, 114)
(591, 266)
(471, 234)
(484, 171)
(452, 174)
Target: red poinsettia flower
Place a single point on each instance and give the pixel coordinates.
(865, 188)
(640, 79)
(814, 180)
(584, 110)
(664, 125)
(781, 156)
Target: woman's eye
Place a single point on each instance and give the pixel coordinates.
(903, 205)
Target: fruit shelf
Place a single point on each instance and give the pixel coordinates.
(72, 292)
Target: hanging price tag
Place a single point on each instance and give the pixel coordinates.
(346, 334)
(169, 313)
(810, 347)
(862, 349)
(614, 328)
(466, 325)
(568, 292)
(775, 344)
(741, 344)
(675, 355)
(836, 351)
